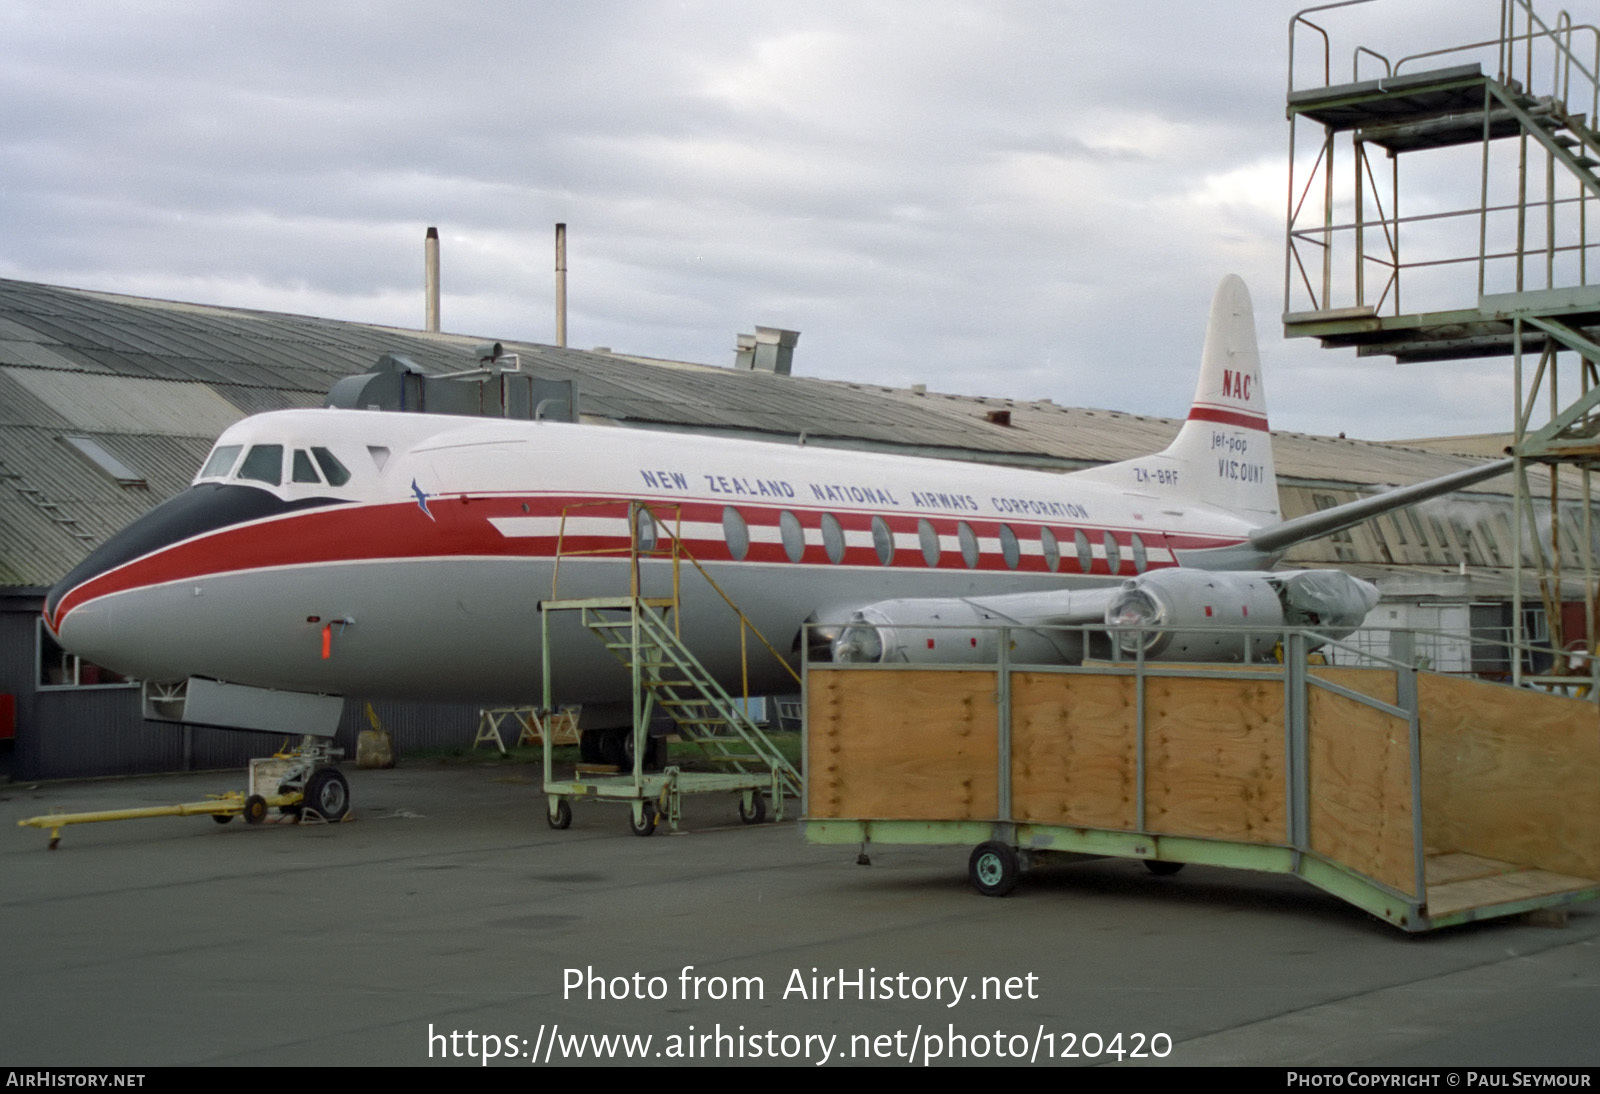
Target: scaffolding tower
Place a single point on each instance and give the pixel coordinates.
(1501, 146)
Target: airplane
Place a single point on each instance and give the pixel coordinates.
(322, 553)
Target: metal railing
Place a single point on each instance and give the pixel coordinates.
(1531, 61)
(675, 551)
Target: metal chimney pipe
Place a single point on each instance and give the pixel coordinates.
(561, 284)
(431, 280)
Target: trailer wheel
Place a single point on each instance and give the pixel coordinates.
(562, 817)
(327, 793)
(993, 868)
(1161, 868)
(757, 811)
(646, 824)
(222, 818)
(255, 809)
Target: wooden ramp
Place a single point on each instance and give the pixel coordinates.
(1459, 883)
(1428, 800)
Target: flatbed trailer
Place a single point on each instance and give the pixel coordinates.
(1427, 800)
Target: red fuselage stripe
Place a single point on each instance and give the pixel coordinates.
(460, 527)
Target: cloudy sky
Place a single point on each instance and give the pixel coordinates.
(1013, 197)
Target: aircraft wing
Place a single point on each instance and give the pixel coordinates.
(1279, 537)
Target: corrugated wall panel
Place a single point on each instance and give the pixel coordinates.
(94, 731)
(413, 725)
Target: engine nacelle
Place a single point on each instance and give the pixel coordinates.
(1169, 601)
(949, 631)
(1178, 615)
(1181, 598)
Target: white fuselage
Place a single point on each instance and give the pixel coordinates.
(420, 574)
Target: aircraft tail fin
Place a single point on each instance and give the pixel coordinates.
(1224, 448)
(1222, 457)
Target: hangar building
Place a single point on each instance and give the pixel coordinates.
(108, 405)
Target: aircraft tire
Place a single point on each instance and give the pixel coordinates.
(1161, 868)
(590, 750)
(327, 793)
(614, 748)
(289, 810)
(655, 752)
(993, 868)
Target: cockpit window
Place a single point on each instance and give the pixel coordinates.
(264, 463)
(335, 471)
(221, 462)
(303, 471)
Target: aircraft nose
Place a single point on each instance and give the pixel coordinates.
(200, 509)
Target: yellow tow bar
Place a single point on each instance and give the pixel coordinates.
(221, 808)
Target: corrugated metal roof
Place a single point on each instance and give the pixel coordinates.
(154, 381)
(129, 404)
(19, 406)
(38, 355)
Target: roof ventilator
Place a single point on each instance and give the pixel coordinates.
(497, 388)
(769, 349)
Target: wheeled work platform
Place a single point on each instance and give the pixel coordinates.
(666, 674)
(643, 634)
(1425, 799)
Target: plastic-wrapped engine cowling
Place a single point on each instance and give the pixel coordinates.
(1333, 602)
(1330, 600)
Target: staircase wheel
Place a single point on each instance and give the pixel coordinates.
(757, 810)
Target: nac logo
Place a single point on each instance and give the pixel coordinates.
(1236, 385)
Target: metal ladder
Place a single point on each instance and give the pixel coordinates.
(637, 631)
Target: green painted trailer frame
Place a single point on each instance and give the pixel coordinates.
(885, 766)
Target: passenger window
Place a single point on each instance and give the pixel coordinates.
(969, 545)
(1085, 553)
(221, 462)
(794, 537)
(303, 471)
(1052, 549)
(929, 540)
(1010, 549)
(645, 530)
(1140, 559)
(883, 540)
(263, 463)
(736, 533)
(332, 469)
(832, 538)
(1113, 556)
